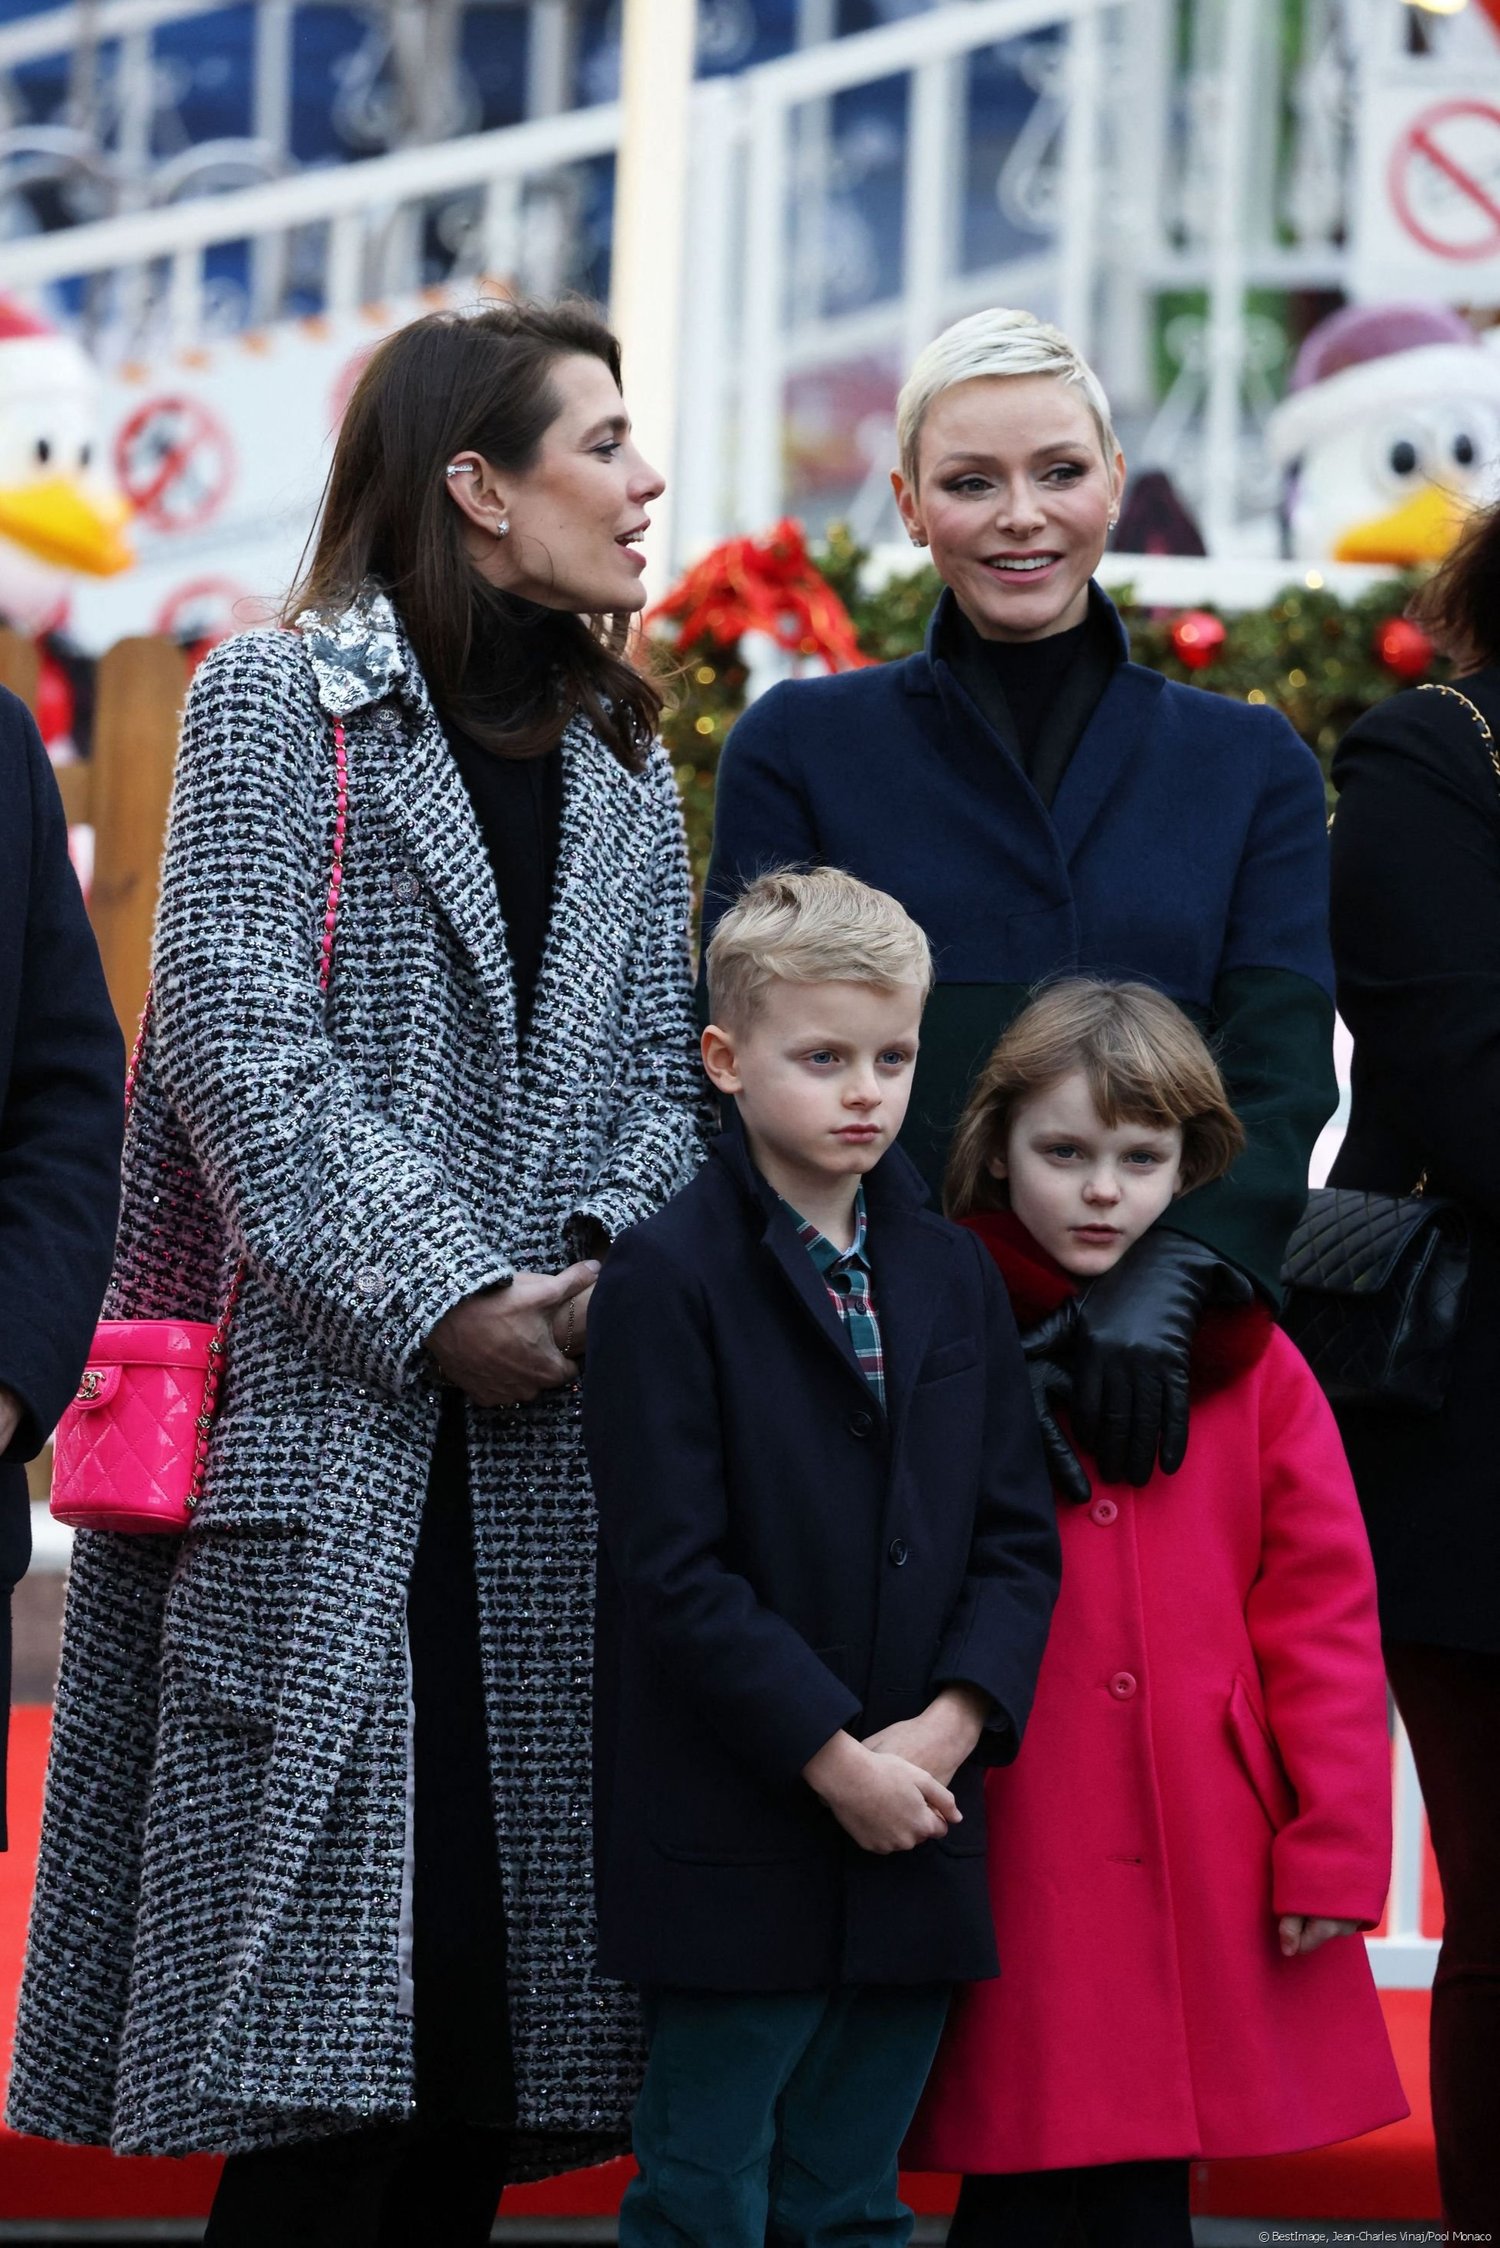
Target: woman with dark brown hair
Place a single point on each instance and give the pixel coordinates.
(1416, 940)
(315, 1883)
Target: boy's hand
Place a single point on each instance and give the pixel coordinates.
(884, 1802)
(943, 1737)
(1298, 1933)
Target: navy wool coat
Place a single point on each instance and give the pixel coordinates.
(61, 1116)
(781, 1557)
(1185, 847)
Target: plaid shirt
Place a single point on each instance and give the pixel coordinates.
(846, 1276)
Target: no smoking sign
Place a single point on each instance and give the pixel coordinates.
(1445, 180)
(175, 463)
(1427, 213)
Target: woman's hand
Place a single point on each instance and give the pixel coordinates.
(499, 1347)
(1047, 1350)
(1299, 1933)
(1136, 1325)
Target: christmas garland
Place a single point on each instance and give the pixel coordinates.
(1317, 657)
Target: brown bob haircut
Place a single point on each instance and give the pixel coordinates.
(456, 382)
(1460, 603)
(1145, 1061)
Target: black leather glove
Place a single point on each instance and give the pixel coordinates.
(1136, 1325)
(1047, 1350)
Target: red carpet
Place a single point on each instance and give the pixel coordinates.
(1389, 2174)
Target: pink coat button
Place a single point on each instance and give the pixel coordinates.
(1123, 1685)
(1104, 1511)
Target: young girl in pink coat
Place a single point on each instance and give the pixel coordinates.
(1199, 1820)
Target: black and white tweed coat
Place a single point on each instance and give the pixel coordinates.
(214, 1944)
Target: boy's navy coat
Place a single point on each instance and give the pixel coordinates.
(1185, 846)
(781, 1558)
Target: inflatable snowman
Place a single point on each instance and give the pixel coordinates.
(59, 514)
(1388, 436)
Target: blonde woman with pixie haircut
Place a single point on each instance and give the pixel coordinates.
(1201, 1818)
(1044, 806)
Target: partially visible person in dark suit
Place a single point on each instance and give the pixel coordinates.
(61, 1109)
(1416, 943)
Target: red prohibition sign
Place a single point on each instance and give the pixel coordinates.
(175, 463)
(1445, 180)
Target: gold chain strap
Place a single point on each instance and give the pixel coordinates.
(1440, 687)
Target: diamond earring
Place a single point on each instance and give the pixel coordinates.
(502, 527)
(459, 468)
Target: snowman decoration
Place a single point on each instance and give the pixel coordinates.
(1389, 435)
(58, 514)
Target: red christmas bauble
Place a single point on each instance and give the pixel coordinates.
(1197, 638)
(1403, 647)
(54, 701)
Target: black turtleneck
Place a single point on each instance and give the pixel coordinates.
(1037, 696)
(518, 802)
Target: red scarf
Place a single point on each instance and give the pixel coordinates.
(1227, 1344)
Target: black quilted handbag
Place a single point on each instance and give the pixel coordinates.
(1375, 1287)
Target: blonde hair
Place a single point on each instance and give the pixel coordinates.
(821, 926)
(1146, 1063)
(997, 342)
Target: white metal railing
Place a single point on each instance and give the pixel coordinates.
(57, 31)
(348, 199)
(1120, 169)
(116, 143)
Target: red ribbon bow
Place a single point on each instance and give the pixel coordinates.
(768, 585)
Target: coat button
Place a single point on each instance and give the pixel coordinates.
(1123, 1685)
(407, 888)
(861, 1424)
(899, 1554)
(369, 1283)
(1104, 1511)
(388, 720)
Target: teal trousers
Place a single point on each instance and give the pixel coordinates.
(774, 2120)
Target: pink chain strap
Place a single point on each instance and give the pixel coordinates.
(218, 1347)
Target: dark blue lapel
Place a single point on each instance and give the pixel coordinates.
(1110, 745)
(910, 1263)
(899, 1255)
(971, 745)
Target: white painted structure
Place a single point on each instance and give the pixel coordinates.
(842, 203)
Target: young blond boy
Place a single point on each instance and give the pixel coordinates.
(827, 1566)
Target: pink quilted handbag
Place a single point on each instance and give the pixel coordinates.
(131, 1448)
(131, 1451)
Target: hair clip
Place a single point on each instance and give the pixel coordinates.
(459, 468)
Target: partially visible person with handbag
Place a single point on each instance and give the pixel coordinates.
(1416, 939)
(315, 1884)
(60, 1120)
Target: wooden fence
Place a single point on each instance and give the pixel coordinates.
(121, 792)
